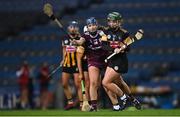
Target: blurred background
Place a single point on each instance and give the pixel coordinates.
(30, 44)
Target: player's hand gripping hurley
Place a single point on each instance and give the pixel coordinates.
(127, 41)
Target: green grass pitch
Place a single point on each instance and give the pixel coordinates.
(102, 112)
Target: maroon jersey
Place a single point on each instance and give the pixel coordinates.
(94, 52)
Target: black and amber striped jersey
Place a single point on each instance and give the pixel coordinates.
(69, 51)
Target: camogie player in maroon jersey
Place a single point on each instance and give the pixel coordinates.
(95, 57)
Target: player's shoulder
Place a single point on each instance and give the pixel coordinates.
(123, 30)
(86, 33)
(102, 28)
(100, 32)
(65, 37)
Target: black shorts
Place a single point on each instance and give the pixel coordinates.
(85, 65)
(70, 70)
(119, 63)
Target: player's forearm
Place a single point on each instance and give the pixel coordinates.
(79, 55)
(79, 64)
(80, 41)
(64, 54)
(129, 40)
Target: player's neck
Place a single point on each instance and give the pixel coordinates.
(73, 35)
(93, 34)
(114, 29)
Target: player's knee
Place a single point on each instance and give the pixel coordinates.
(65, 85)
(87, 82)
(78, 86)
(94, 84)
(87, 87)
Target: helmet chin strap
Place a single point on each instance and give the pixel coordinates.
(73, 34)
(114, 28)
(93, 33)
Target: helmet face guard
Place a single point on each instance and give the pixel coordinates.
(73, 27)
(92, 24)
(114, 19)
(113, 23)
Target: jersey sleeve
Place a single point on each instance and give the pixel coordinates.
(125, 35)
(65, 41)
(85, 36)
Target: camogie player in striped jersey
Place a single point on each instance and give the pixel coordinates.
(69, 64)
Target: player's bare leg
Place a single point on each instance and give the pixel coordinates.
(110, 76)
(113, 98)
(125, 88)
(87, 83)
(77, 82)
(94, 84)
(108, 82)
(67, 90)
(123, 85)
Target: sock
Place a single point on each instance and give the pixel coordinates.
(70, 101)
(123, 97)
(94, 103)
(131, 97)
(89, 102)
(81, 103)
(116, 107)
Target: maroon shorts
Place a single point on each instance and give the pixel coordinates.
(96, 58)
(97, 61)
